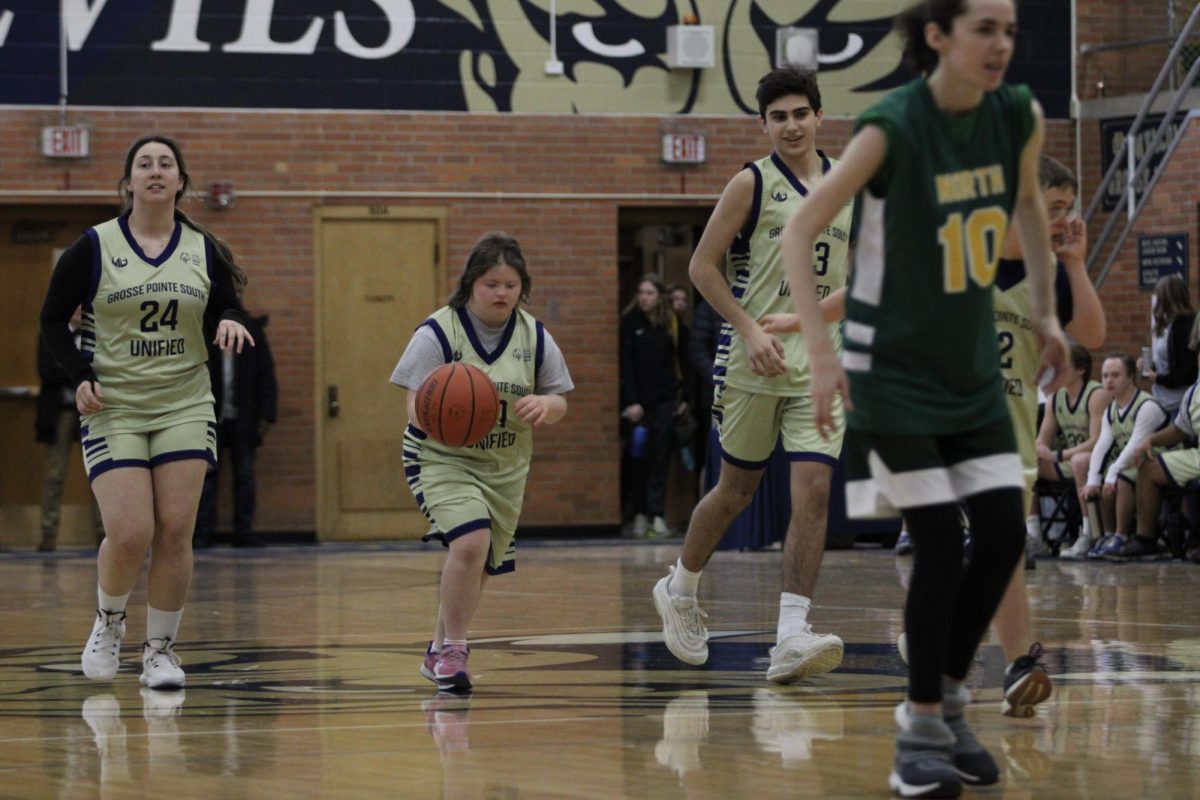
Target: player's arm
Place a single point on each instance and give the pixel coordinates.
(1099, 401)
(764, 351)
(1046, 434)
(1030, 216)
(1103, 445)
(1088, 324)
(1149, 418)
(861, 159)
(833, 309)
(411, 401)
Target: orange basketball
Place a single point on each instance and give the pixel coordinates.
(457, 405)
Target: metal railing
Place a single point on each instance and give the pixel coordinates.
(1135, 168)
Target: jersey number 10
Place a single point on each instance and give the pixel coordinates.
(972, 248)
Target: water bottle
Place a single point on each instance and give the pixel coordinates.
(637, 441)
(687, 458)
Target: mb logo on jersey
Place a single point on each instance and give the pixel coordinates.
(779, 197)
(119, 262)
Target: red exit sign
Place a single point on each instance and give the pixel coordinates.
(683, 148)
(63, 141)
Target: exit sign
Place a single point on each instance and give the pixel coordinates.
(683, 148)
(63, 141)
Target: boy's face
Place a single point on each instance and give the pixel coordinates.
(791, 124)
(1060, 201)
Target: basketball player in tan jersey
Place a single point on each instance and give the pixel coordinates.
(146, 280)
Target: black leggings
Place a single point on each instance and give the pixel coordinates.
(949, 606)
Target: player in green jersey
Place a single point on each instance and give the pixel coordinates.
(147, 281)
(473, 495)
(945, 161)
(762, 379)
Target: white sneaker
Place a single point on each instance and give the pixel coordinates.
(803, 654)
(1079, 550)
(102, 653)
(683, 623)
(160, 665)
(1035, 546)
(640, 525)
(661, 529)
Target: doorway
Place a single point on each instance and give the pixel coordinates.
(660, 241)
(380, 271)
(31, 237)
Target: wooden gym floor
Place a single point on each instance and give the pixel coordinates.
(302, 682)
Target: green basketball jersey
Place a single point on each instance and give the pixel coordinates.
(505, 452)
(759, 282)
(1074, 424)
(143, 327)
(920, 346)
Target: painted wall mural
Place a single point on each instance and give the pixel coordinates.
(467, 55)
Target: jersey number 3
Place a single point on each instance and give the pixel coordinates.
(971, 248)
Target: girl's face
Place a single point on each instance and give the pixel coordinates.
(1114, 377)
(980, 43)
(154, 176)
(647, 296)
(495, 294)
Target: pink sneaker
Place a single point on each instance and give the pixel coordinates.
(451, 674)
(430, 663)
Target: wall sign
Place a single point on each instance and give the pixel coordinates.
(1159, 255)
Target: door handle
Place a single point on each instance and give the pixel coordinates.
(334, 405)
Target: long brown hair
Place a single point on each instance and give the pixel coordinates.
(911, 22)
(239, 275)
(662, 314)
(1171, 300)
(494, 249)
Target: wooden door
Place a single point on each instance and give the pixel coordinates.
(30, 239)
(380, 272)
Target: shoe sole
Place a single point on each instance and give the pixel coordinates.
(426, 672)
(824, 660)
(1022, 696)
(662, 602)
(162, 686)
(938, 790)
(459, 682)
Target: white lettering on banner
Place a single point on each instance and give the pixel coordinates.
(80, 17)
(182, 35)
(256, 33)
(402, 20)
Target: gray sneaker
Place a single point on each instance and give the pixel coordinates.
(924, 765)
(683, 623)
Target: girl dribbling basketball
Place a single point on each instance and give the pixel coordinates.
(473, 495)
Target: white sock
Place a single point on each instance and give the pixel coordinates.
(449, 642)
(793, 615)
(684, 582)
(110, 602)
(1086, 530)
(1033, 526)
(162, 624)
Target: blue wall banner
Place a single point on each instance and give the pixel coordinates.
(468, 55)
(1159, 255)
(1114, 133)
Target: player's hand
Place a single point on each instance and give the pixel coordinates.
(1055, 367)
(1072, 247)
(780, 323)
(232, 336)
(681, 410)
(532, 409)
(828, 379)
(89, 397)
(1143, 452)
(1110, 490)
(1046, 454)
(765, 353)
(1089, 492)
(634, 413)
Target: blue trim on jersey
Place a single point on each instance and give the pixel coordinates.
(501, 346)
(416, 432)
(168, 251)
(539, 351)
(412, 471)
(755, 208)
(820, 458)
(208, 258)
(105, 466)
(183, 455)
(467, 527)
(786, 171)
(447, 353)
(504, 568)
(738, 462)
(94, 286)
(1123, 413)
